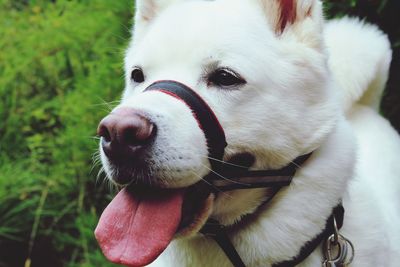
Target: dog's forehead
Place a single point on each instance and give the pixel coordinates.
(211, 19)
(196, 29)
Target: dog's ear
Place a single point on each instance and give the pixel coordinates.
(301, 19)
(147, 10)
(287, 15)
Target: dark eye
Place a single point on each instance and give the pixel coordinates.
(137, 75)
(225, 78)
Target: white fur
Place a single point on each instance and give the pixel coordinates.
(313, 87)
(360, 51)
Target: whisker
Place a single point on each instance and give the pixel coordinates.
(101, 171)
(223, 177)
(96, 161)
(210, 184)
(111, 186)
(202, 179)
(228, 163)
(109, 105)
(295, 164)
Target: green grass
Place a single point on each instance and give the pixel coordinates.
(60, 63)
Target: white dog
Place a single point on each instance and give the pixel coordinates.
(282, 83)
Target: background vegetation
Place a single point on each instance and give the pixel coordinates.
(60, 68)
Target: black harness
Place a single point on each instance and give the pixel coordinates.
(225, 176)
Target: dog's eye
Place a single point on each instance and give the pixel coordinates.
(225, 78)
(137, 75)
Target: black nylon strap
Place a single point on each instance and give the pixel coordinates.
(215, 230)
(231, 177)
(204, 115)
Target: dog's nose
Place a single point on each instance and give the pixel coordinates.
(124, 132)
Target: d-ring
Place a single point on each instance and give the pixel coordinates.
(335, 232)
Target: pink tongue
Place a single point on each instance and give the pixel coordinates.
(134, 230)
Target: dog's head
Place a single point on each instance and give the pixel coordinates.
(262, 72)
(259, 65)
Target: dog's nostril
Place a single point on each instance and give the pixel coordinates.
(129, 137)
(103, 132)
(137, 133)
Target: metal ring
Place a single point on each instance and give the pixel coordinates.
(352, 251)
(335, 232)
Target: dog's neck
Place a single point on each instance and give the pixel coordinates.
(297, 213)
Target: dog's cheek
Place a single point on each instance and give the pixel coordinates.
(257, 124)
(179, 162)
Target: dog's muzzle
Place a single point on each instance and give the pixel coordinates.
(224, 176)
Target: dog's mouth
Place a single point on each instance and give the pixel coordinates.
(140, 222)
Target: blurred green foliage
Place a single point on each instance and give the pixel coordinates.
(60, 66)
(59, 62)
